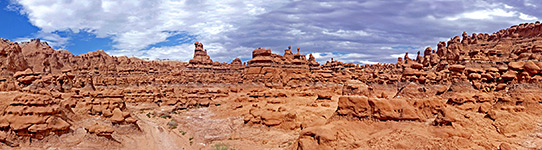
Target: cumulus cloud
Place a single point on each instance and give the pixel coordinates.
(348, 30)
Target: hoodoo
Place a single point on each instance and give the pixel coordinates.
(478, 91)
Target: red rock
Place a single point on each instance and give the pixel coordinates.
(393, 110)
(100, 129)
(272, 119)
(59, 89)
(456, 68)
(200, 55)
(409, 72)
(325, 95)
(417, 66)
(532, 68)
(117, 116)
(356, 106)
(509, 75)
(516, 65)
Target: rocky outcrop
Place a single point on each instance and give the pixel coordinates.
(490, 79)
(34, 115)
(200, 55)
(11, 58)
(42, 58)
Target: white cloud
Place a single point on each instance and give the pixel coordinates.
(508, 6)
(295, 32)
(135, 25)
(350, 31)
(483, 14)
(346, 33)
(367, 62)
(530, 3)
(348, 57)
(178, 52)
(344, 57)
(527, 17)
(493, 12)
(395, 56)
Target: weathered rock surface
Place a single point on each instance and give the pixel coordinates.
(477, 91)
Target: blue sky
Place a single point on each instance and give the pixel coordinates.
(359, 31)
(17, 27)
(13, 24)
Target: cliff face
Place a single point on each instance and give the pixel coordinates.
(11, 57)
(507, 56)
(512, 53)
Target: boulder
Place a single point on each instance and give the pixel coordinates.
(325, 95)
(456, 68)
(532, 68)
(117, 116)
(393, 110)
(516, 65)
(356, 106)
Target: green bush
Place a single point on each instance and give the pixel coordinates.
(172, 124)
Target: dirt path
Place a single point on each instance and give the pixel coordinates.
(155, 136)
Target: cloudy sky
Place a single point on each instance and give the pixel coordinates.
(361, 31)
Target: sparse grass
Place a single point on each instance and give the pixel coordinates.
(164, 116)
(221, 146)
(172, 124)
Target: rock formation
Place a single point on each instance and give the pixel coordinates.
(200, 55)
(476, 91)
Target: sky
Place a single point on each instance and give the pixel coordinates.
(359, 31)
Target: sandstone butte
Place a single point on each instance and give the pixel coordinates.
(479, 91)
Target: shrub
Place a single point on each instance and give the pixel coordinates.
(172, 124)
